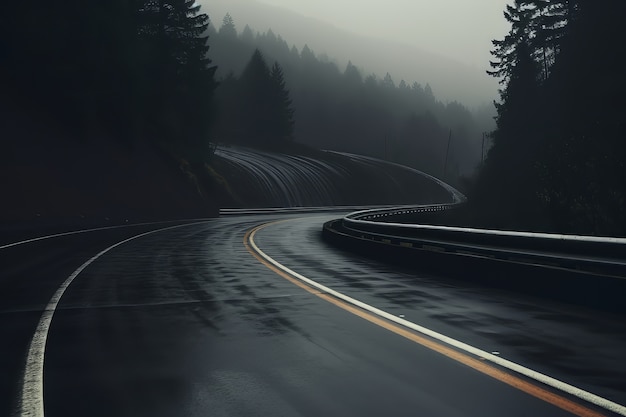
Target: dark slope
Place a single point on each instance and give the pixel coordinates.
(49, 181)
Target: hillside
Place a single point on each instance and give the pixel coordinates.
(308, 178)
(450, 79)
(51, 181)
(340, 108)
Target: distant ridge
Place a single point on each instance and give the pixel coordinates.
(451, 80)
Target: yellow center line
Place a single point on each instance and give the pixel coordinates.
(502, 376)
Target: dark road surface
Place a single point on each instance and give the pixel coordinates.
(187, 322)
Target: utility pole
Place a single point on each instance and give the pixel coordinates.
(445, 165)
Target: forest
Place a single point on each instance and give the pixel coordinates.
(343, 109)
(165, 75)
(135, 70)
(558, 161)
(105, 112)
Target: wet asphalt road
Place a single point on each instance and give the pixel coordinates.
(186, 322)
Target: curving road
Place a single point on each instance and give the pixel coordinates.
(191, 321)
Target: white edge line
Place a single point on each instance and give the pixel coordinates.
(537, 376)
(31, 400)
(75, 232)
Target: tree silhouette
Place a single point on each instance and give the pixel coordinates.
(255, 90)
(342, 110)
(281, 103)
(509, 179)
(541, 24)
(352, 74)
(307, 55)
(228, 29)
(388, 81)
(182, 81)
(506, 51)
(558, 157)
(266, 108)
(247, 35)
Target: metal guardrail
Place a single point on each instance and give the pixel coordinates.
(286, 210)
(385, 212)
(589, 254)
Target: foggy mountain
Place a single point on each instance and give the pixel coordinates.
(449, 79)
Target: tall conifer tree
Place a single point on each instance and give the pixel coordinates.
(183, 78)
(282, 105)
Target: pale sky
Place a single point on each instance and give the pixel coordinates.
(460, 29)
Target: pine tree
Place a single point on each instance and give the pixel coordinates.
(387, 82)
(294, 53)
(307, 55)
(505, 51)
(541, 24)
(353, 75)
(282, 105)
(267, 111)
(247, 36)
(549, 25)
(183, 78)
(255, 86)
(428, 91)
(228, 29)
(507, 190)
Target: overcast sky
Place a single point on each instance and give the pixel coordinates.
(461, 29)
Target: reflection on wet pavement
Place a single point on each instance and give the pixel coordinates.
(586, 348)
(187, 322)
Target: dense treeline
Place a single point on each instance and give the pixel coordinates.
(104, 112)
(558, 161)
(342, 109)
(130, 70)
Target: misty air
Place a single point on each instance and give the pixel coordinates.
(286, 207)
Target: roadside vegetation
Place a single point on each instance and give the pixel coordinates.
(324, 106)
(102, 117)
(559, 149)
(106, 110)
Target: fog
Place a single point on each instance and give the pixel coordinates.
(120, 88)
(458, 29)
(443, 43)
